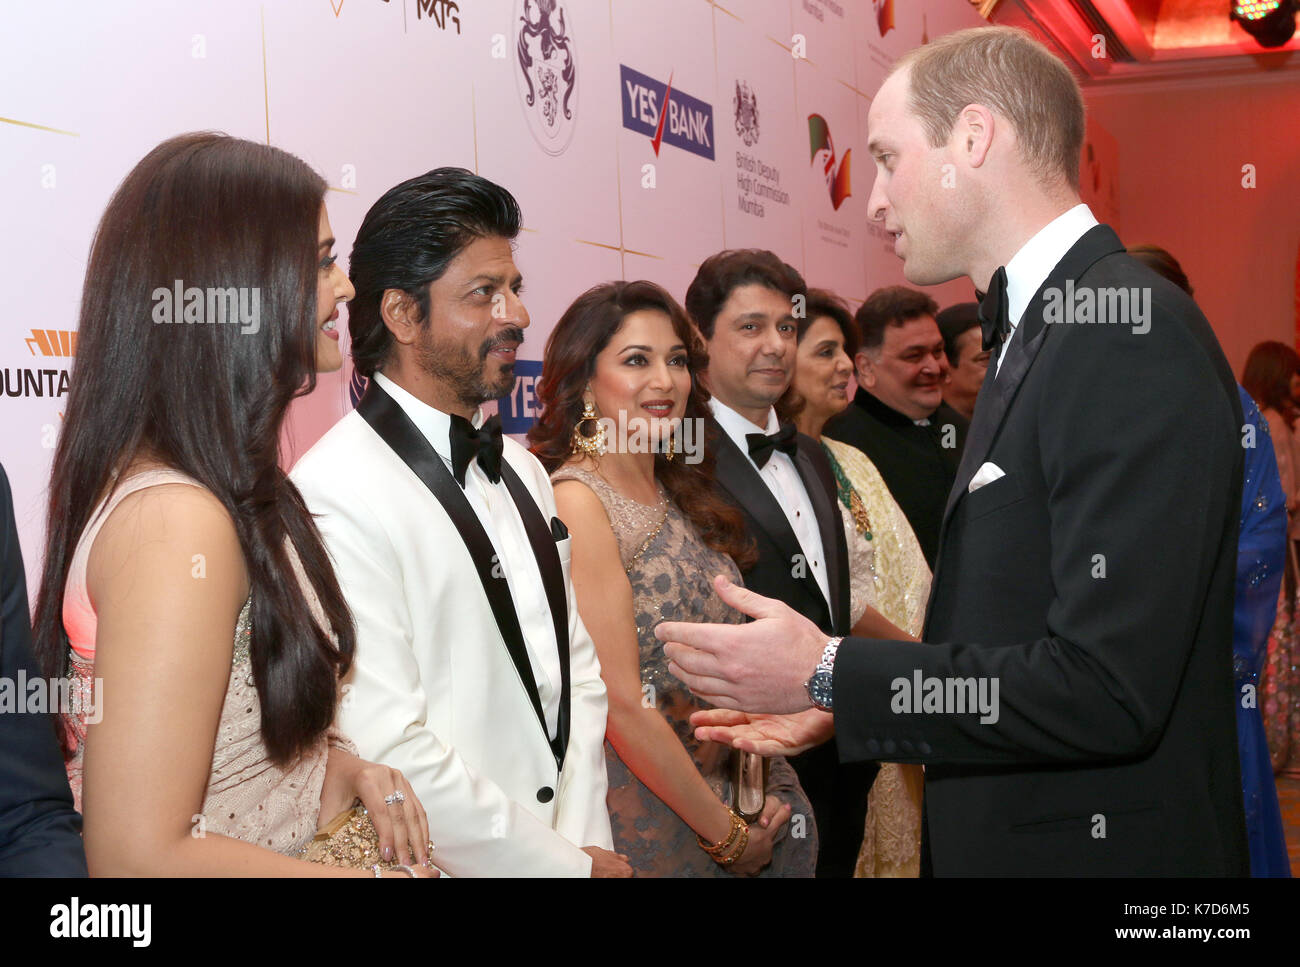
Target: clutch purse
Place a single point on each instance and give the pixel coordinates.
(749, 775)
(349, 839)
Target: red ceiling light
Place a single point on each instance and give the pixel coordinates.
(1270, 22)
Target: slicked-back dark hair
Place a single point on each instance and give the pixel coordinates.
(730, 269)
(407, 240)
(208, 400)
(891, 306)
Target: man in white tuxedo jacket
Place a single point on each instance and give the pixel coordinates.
(473, 674)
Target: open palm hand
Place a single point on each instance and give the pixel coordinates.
(764, 734)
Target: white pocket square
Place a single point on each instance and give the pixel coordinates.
(984, 475)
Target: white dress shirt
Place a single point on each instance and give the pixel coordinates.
(1030, 267)
(497, 513)
(783, 480)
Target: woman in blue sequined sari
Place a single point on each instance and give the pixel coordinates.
(1261, 552)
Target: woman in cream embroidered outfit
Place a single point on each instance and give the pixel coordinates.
(888, 571)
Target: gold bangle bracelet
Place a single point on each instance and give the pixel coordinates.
(717, 849)
(739, 850)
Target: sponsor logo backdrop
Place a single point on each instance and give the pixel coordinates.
(559, 100)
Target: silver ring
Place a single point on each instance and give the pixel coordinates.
(378, 871)
(405, 869)
(396, 797)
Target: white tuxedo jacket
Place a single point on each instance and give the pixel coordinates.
(432, 690)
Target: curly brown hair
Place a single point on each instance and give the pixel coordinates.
(569, 362)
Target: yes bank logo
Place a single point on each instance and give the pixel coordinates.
(665, 115)
(518, 410)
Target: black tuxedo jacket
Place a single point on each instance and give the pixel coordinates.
(40, 831)
(777, 573)
(1093, 584)
(838, 794)
(916, 466)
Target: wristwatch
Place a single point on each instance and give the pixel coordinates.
(819, 685)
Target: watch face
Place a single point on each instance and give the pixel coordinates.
(819, 688)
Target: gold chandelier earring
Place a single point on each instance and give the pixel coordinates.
(592, 444)
(670, 451)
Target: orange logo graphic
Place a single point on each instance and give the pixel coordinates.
(53, 342)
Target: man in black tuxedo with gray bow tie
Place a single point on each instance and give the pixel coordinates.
(743, 303)
(1073, 701)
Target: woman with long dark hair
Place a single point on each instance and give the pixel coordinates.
(621, 432)
(185, 589)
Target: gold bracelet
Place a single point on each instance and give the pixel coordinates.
(713, 849)
(717, 849)
(739, 850)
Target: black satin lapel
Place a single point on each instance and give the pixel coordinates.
(395, 428)
(998, 391)
(739, 478)
(552, 571)
(830, 525)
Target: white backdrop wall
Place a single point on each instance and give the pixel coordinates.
(371, 92)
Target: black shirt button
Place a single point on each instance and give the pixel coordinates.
(545, 794)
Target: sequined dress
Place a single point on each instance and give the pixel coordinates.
(671, 572)
(888, 572)
(248, 797)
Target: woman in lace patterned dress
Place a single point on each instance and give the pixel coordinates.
(185, 588)
(888, 573)
(648, 537)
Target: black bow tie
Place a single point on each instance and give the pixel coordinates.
(761, 445)
(995, 317)
(469, 444)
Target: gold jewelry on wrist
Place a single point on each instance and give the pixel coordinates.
(738, 851)
(724, 851)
